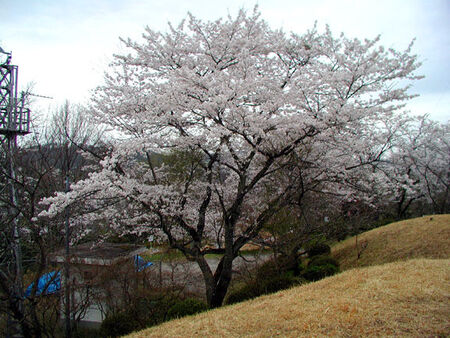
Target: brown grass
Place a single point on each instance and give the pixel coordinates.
(409, 296)
(424, 237)
(397, 299)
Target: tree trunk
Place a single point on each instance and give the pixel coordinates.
(207, 277)
(216, 285)
(222, 278)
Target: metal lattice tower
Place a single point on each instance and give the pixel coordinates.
(14, 121)
(14, 117)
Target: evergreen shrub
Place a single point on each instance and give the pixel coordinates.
(245, 292)
(319, 249)
(278, 283)
(186, 307)
(119, 324)
(320, 267)
(321, 260)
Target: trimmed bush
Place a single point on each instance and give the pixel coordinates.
(86, 332)
(144, 312)
(267, 270)
(263, 286)
(275, 268)
(278, 283)
(322, 260)
(300, 267)
(154, 310)
(119, 324)
(319, 249)
(318, 272)
(246, 292)
(287, 263)
(186, 307)
(320, 267)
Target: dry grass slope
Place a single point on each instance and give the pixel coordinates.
(423, 237)
(409, 296)
(397, 299)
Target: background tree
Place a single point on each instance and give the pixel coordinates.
(427, 154)
(42, 162)
(413, 179)
(245, 101)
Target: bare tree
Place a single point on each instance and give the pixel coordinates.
(42, 162)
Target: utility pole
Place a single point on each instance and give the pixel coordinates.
(14, 121)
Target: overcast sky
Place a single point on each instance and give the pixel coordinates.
(64, 46)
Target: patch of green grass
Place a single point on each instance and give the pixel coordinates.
(255, 252)
(170, 255)
(165, 256)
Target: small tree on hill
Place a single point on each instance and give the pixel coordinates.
(249, 104)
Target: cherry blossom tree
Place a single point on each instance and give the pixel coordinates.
(413, 177)
(237, 102)
(428, 154)
(418, 168)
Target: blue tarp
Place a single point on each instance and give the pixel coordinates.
(47, 284)
(140, 263)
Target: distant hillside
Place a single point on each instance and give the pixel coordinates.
(397, 299)
(423, 237)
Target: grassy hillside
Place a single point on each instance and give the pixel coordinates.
(397, 299)
(408, 296)
(424, 237)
